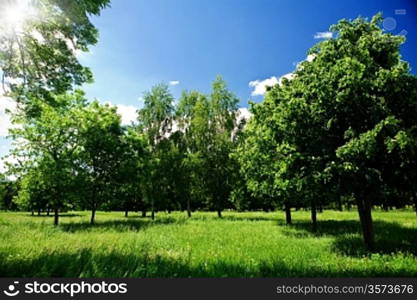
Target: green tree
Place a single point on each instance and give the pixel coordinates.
(39, 46)
(370, 118)
(155, 120)
(8, 190)
(35, 188)
(346, 119)
(49, 145)
(99, 136)
(215, 121)
(262, 158)
(207, 124)
(192, 115)
(130, 175)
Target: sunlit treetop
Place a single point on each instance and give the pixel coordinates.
(15, 14)
(39, 44)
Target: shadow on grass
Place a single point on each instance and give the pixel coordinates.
(119, 225)
(251, 218)
(237, 217)
(136, 217)
(390, 237)
(145, 264)
(51, 215)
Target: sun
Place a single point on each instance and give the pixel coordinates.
(14, 14)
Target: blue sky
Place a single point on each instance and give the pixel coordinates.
(191, 41)
(143, 43)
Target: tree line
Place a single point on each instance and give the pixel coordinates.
(77, 155)
(340, 132)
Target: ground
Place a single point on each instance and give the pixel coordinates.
(253, 244)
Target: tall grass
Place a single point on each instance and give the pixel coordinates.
(238, 245)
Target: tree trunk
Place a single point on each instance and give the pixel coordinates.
(415, 204)
(365, 216)
(47, 211)
(339, 204)
(143, 213)
(288, 214)
(314, 215)
(56, 216)
(152, 210)
(219, 213)
(39, 211)
(93, 214)
(126, 213)
(33, 212)
(188, 208)
(320, 208)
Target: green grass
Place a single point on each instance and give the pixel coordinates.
(238, 245)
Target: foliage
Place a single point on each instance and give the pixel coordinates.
(38, 58)
(46, 148)
(333, 127)
(8, 190)
(101, 150)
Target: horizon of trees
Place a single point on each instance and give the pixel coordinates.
(341, 131)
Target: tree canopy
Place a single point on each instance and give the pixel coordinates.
(345, 123)
(39, 52)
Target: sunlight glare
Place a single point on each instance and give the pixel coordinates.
(14, 14)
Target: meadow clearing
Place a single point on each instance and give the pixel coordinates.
(252, 244)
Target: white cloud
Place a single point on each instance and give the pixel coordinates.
(323, 35)
(174, 82)
(260, 85)
(244, 113)
(288, 76)
(310, 57)
(127, 112)
(6, 103)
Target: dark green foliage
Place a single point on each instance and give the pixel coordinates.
(100, 152)
(46, 149)
(8, 190)
(343, 126)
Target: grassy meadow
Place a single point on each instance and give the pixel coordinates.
(253, 244)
